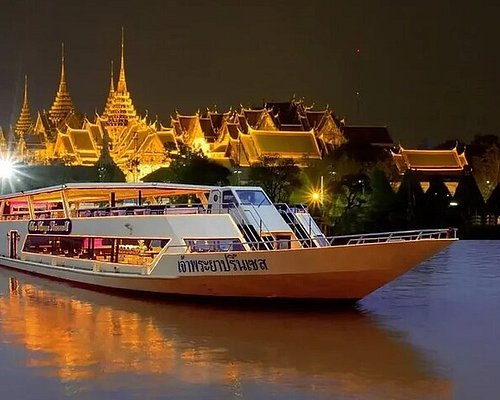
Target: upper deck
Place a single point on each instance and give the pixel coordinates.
(98, 199)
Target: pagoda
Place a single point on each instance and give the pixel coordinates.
(119, 112)
(63, 105)
(111, 95)
(24, 121)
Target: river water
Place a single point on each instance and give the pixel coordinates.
(432, 334)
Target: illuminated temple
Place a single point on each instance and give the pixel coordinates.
(448, 165)
(139, 146)
(234, 138)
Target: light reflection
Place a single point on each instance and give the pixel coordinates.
(78, 335)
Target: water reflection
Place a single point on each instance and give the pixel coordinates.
(81, 336)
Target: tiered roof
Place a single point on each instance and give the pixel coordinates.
(188, 128)
(77, 146)
(256, 119)
(212, 124)
(250, 134)
(430, 161)
(63, 105)
(286, 114)
(295, 116)
(24, 121)
(373, 135)
(250, 148)
(120, 110)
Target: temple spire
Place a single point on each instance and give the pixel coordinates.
(62, 83)
(112, 83)
(119, 111)
(122, 83)
(25, 100)
(24, 121)
(111, 95)
(63, 105)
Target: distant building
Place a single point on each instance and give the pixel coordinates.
(369, 135)
(139, 146)
(449, 165)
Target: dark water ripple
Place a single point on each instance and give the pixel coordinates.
(432, 334)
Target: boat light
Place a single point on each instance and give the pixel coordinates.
(6, 168)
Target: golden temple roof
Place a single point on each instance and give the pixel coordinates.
(188, 127)
(290, 144)
(437, 161)
(24, 121)
(79, 146)
(63, 105)
(256, 119)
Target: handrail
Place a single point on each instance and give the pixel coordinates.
(370, 238)
(261, 221)
(242, 220)
(153, 209)
(297, 222)
(393, 236)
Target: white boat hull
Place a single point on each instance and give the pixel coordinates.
(328, 273)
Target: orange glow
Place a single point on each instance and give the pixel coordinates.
(93, 339)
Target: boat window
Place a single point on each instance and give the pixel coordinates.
(46, 210)
(212, 245)
(228, 198)
(255, 197)
(15, 209)
(116, 250)
(283, 242)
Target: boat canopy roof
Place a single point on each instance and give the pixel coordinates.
(87, 192)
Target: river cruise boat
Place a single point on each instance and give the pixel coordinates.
(198, 240)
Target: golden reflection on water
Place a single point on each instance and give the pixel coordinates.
(80, 335)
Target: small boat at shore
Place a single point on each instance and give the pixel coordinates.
(197, 240)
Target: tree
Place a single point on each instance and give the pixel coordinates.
(486, 168)
(277, 176)
(410, 200)
(347, 209)
(468, 199)
(107, 170)
(485, 140)
(382, 211)
(191, 166)
(436, 202)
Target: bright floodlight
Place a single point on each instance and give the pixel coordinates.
(6, 169)
(315, 196)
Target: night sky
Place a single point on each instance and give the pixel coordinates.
(427, 69)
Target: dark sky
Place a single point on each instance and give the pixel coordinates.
(427, 69)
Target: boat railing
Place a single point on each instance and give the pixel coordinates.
(258, 220)
(163, 209)
(291, 219)
(393, 236)
(155, 209)
(344, 240)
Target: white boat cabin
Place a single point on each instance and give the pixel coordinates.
(132, 224)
